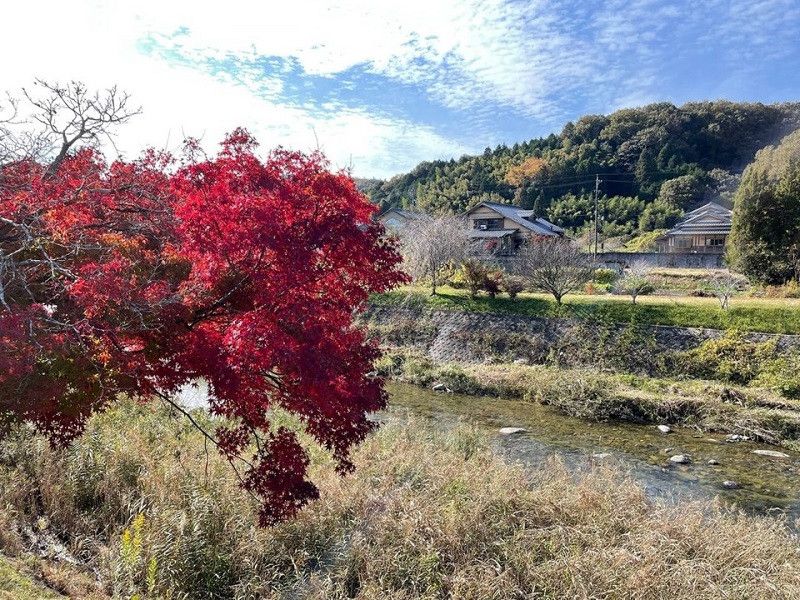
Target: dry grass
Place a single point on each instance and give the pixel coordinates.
(426, 515)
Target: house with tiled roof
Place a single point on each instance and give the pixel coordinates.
(395, 219)
(703, 230)
(503, 227)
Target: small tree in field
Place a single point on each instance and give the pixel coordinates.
(635, 281)
(724, 286)
(433, 247)
(554, 266)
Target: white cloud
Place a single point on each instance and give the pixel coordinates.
(544, 59)
(461, 51)
(98, 44)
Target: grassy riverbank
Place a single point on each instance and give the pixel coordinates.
(15, 584)
(594, 395)
(746, 314)
(426, 515)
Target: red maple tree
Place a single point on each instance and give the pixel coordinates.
(138, 277)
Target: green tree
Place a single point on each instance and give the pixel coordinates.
(765, 238)
(659, 215)
(684, 191)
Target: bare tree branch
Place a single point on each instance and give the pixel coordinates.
(635, 280)
(554, 266)
(433, 246)
(62, 118)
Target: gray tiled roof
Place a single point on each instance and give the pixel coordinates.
(709, 219)
(524, 218)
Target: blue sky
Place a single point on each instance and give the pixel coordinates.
(381, 85)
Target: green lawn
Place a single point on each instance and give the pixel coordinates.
(747, 314)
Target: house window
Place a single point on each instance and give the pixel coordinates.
(488, 224)
(715, 241)
(683, 242)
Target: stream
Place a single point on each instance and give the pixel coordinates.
(767, 485)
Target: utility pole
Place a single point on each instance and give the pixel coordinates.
(597, 183)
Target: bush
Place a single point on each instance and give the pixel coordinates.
(788, 290)
(594, 289)
(730, 358)
(606, 276)
(492, 283)
(474, 276)
(458, 280)
(513, 285)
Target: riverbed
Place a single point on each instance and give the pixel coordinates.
(767, 485)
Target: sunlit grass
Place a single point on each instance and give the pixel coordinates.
(769, 315)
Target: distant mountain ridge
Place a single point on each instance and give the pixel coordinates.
(654, 163)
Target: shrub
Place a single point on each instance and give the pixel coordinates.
(474, 276)
(458, 280)
(730, 358)
(513, 285)
(604, 275)
(593, 289)
(787, 290)
(781, 374)
(492, 282)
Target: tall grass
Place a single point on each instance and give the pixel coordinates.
(426, 515)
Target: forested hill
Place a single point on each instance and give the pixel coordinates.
(655, 162)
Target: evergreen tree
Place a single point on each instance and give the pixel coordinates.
(765, 239)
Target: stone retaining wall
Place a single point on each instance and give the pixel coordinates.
(444, 335)
(620, 260)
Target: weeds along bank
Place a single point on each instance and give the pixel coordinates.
(607, 396)
(426, 515)
(733, 382)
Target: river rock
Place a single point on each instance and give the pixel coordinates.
(601, 455)
(512, 430)
(521, 361)
(735, 437)
(730, 485)
(713, 461)
(440, 387)
(680, 459)
(771, 453)
(664, 428)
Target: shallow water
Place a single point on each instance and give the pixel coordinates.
(767, 484)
